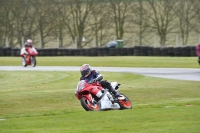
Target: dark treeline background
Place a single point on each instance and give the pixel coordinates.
(69, 21)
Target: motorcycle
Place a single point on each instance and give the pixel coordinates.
(93, 97)
(29, 57)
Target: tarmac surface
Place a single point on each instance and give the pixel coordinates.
(170, 73)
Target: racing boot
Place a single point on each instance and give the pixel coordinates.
(114, 92)
(107, 85)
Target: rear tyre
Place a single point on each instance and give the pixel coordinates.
(89, 106)
(125, 103)
(33, 61)
(23, 62)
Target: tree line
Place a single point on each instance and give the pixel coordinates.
(96, 20)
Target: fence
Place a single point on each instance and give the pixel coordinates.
(186, 51)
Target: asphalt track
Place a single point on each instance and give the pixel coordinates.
(170, 73)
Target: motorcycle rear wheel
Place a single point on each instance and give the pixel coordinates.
(125, 104)
(88, 106)
(33, 61)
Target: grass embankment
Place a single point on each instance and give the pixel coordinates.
(118, 61)
(44, 102)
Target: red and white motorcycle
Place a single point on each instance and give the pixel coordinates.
(95, 98)
(28, 56)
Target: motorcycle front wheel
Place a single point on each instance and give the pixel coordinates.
(87, 105)
(125, 103)
(33, 61)
(24, 62)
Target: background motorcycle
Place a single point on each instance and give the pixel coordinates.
(29, 58)
(94, 98)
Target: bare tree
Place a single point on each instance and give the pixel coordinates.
(2, 23)
(52, 19)
(140, 19)
(195, 24)
(161, 17)
(24, 17)
(59, 22)
(184, 13)
(100, 23)
(43, 20)
(120, 14)
(7, 21)
(75, 18)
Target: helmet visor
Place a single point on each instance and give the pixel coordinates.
(85, 73)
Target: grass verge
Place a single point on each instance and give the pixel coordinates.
(44, 102)
(118, 61)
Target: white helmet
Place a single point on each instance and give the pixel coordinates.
(29, 41)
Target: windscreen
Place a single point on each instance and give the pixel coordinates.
(81, 85)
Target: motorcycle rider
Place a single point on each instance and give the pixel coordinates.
(90, 76)
(198, 52)
(28, 45)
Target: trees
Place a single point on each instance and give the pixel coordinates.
(2, 23)
(119, 14)
(96, 19)
(185, 15)
(76, 18)
(99, 23)
(7, 22)
(161, 18)
(58, 13)
(195, 24)
(43, 20)
(140, 19)
(24, 19)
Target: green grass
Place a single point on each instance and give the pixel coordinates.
(119, 61)
(44, 102)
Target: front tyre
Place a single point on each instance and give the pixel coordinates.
(88, 106)
(24, 62)
(124, 102)
(33, 61)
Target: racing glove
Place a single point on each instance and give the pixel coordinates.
(92, 81)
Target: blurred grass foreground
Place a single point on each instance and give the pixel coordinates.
(44, 102)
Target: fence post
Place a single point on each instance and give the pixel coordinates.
(58, 42)
(133, 40)
(6, 41)
(95, 45)
(176, 39)
(40, 42)
(114, 38)
(22, 41)
(75, 42)
(155, 40)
